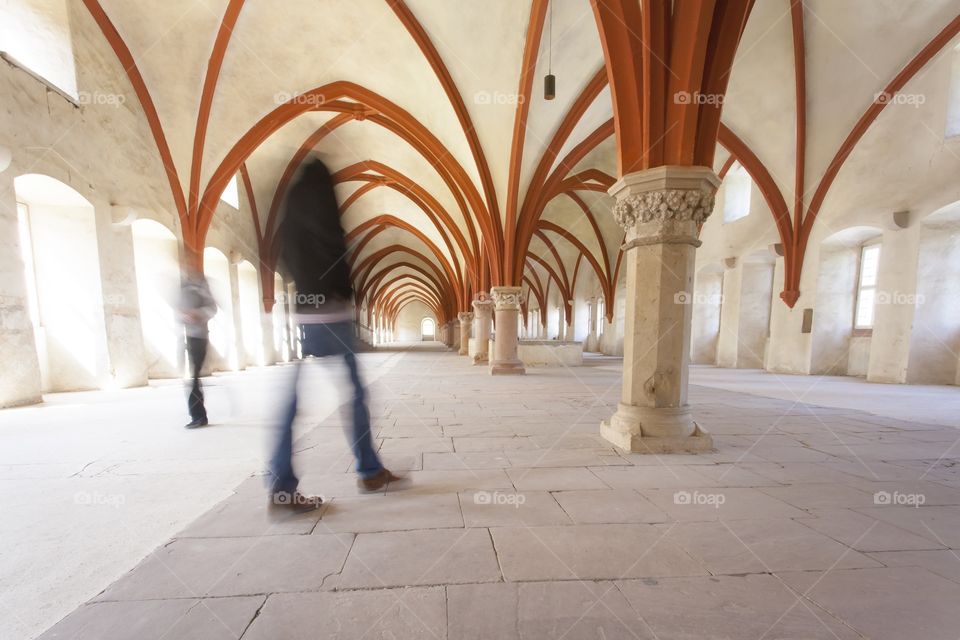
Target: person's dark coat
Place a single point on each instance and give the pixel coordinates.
(313, 245)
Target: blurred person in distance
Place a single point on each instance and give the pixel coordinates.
(313, 248)
(196, 307)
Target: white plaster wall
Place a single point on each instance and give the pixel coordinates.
(126, 356)
(102, 148)
(935, 338)
(409, 319)
(70, 299)
(789, 348)
(37, 34)
(222, 355)
(707, 296)
(894, 311)
(611, 342)
(251, 315)
(833, 315)
(756, 290)
(729, 318)
(158, 272)
(858, 356)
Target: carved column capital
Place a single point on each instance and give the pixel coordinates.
(483, 308)
(660, 206)
(664, 205)
(465, 316)
(506, 297)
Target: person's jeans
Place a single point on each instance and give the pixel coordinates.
(320, 340)
(197, 353)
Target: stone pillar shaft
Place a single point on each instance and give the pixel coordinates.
(466, 318)
(660, 209)
(504, 359)
(482, 314)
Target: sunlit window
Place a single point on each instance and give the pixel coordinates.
(35, 35)
(736, 193)
(231, 194)
(601, 316)
(428, 328)
(867, 286)
(953, 97)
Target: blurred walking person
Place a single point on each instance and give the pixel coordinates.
(314, 251)
(197, 307)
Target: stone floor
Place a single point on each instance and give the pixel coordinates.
(931, 404)
(117, 470)
(519, 522)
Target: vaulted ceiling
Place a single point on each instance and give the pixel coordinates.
(432, 115)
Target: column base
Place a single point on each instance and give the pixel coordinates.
(480, 358)
(646, 430)
(507, 368)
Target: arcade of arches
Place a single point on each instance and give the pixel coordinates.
(717, 185)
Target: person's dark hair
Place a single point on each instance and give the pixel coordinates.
(313, 243)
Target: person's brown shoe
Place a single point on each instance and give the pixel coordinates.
(378, 481)
(293, 502)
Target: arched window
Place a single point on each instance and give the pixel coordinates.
(35, 36)
(736, 193)
(953, 96)
(428, 329)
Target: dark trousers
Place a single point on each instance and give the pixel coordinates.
(321, 340)
(196, 354)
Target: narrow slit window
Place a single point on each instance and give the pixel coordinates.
(867, 286)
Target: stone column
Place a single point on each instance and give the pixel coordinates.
(20, 382)
(660, 210)
(126, 362)
(895, 305)
(482, 312)
(591, 342)
(240, 357)
(504, 359)
(466, 318)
